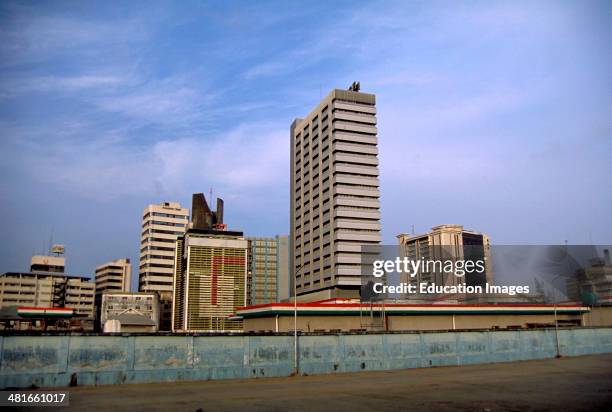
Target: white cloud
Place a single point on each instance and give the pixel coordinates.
(249, 158)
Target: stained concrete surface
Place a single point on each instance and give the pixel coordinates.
(569, 384)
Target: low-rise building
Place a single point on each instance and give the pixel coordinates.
(351, 316)
(118, 305)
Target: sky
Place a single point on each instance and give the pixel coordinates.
(495, 115)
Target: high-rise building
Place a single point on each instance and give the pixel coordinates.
(268, 270)
(447, 242)
(161, 225)
(335, 197)
(114, 276)
(211, 272)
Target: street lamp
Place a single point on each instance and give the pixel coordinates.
(555, 311)
(295, 342)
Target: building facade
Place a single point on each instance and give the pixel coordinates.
(267, 266)
(210, 280)
(592, 285)
(450, 242)
(48, 290)
(162, 224)
(115, 305)
(284, 283)
(114, 276)
(54, 262)
(335, 197)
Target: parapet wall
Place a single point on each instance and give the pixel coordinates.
(55, 361)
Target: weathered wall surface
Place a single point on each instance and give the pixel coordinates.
(48, 361)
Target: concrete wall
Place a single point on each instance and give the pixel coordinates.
(48, 361)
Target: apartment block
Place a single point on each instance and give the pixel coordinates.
(48, 290)
(268, 267)
(335, 196)
(162, 224)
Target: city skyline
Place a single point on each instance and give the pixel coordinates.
(479, 123)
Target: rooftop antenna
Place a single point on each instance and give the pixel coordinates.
(211, 198)
(413, 230)
(50, 241)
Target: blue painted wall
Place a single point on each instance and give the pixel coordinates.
(51, 361)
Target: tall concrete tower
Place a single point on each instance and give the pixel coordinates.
(335, 197)
(161, 225)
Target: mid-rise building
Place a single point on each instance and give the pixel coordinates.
(48, 290)
(162, 224)
(141, 308)
(447, 242)
(114, 276)
(335, 197)
(211, 273)
(268, 269)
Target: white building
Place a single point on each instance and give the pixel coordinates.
(161, 225)
(115, 275)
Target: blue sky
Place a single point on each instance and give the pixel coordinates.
(495, 115)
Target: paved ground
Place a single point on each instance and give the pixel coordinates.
(568, 384)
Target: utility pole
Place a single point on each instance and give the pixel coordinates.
(296, 368)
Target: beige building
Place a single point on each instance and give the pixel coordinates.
(444, 242)
(209, 281)
(162, 224)
(136, 312)
(115, 275)
(48, 290)
(54, 262)
(337, 316)
(267, 260)
(335, 205)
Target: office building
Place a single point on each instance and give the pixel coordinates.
(115, 275)
(447, 242)
(268, 270)
(129, 312)
(161, 225)
(211, 272)
(48, 290)
(335, 205)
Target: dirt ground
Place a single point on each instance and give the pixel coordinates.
(567, 384)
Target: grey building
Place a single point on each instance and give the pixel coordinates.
(268, 270)
(335, 197)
